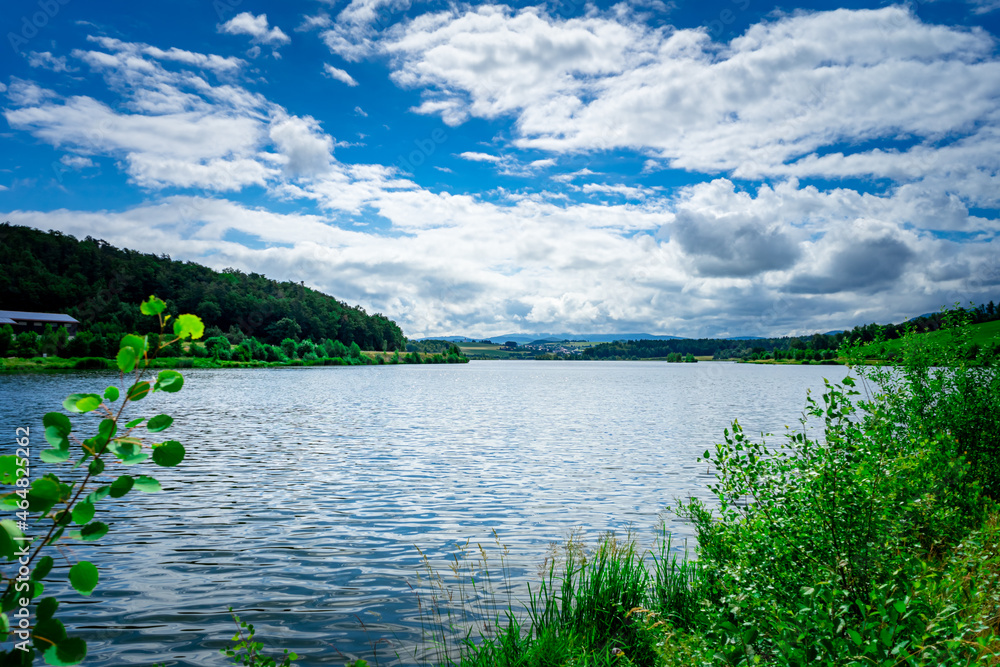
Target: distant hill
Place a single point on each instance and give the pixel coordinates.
(102, 286)
(521, 339)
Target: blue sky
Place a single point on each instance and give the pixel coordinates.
(715, 168)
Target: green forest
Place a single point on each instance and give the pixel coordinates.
(101, 286)
(817, 348)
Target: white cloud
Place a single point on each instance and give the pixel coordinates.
(707, 258)
(566, 178)
(211, 62)
(361, 112)
(76, 161)
(3, 187)
(315, 22)
(762, 104)
(353, 35)
(627, 191)
(245, 23)
(46, 60)
(339, 75)
(23, 92)
(480, 157)
(306, 149)
(984, 6)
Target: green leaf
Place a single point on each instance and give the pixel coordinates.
(94, 530)
(159, 423)
(855, 637)
(126, 359)
(83, 576)
(135, 422)
(83, 513)
(11, 539)
(152, 306)
(169, 381)
(56, 437)
(4, 625)
(138, 391)
(46, 608)
(188, 325)
(49, 629)
(128, 453)
(54, 455)
(147, 484)
(42, 495)
(82, 402)
(107, 429)
(43, 568)
(96, 467)
(59, 420)
(111, 394)
(168, 454)
(44, 488)
(136, 343)
(100, 494)
(71, 651)
(121, 486)
(9, 469)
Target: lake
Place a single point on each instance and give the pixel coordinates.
(307, 492)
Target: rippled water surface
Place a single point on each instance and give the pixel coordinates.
(307, 492)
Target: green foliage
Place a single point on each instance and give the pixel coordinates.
(246, 651)
(50, 504)
(836, 549)
(6, 339)
(99, 285)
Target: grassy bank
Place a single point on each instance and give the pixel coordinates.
(44, 364)
(873, 542)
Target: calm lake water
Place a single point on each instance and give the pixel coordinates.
(307, 492)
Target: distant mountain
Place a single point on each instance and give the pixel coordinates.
(520, 339)
(743, 338)
(450, 339)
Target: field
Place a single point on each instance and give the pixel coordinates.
(987, 333)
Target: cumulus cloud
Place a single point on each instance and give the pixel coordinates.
(866, 256)
(353, 36)
(339, 75)
(765, 103)
(719, 256)
(245, 23)
(306, 149)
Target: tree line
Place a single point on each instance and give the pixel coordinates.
(817, 347)
(99, 285)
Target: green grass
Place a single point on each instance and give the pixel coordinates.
(45, 364)
(986, 333)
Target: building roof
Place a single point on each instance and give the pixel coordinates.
(15, 316)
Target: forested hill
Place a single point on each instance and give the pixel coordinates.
(102, 286)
